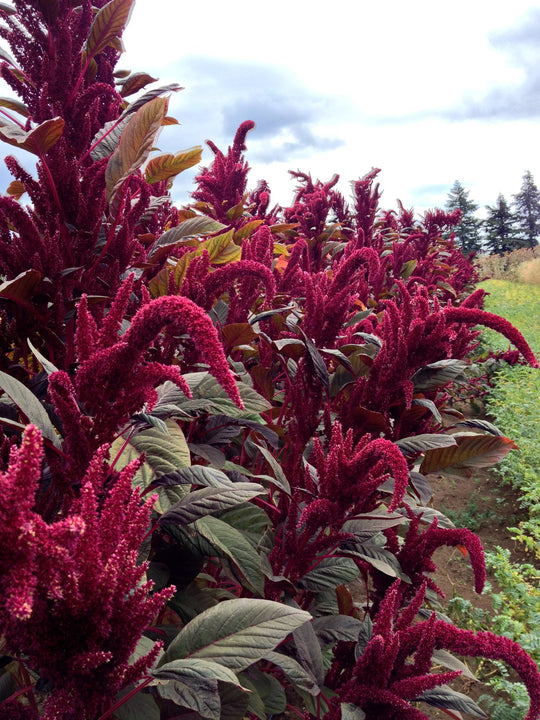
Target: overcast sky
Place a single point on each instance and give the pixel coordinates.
(428, 91)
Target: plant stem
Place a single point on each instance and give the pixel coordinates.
(123, 700)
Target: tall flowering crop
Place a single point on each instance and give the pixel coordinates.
(78, 572)
(292, 480)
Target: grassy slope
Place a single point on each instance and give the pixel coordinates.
(514, 401)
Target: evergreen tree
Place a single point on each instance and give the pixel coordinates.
(527, 211)
(502, 234)
(468, 231)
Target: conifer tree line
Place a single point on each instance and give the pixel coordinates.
(509, 225)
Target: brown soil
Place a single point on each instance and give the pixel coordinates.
(490, 508)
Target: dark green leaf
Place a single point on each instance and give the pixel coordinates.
(299, 676)
(248, 519)
(209, 500)
(446, 659)
(429, 514)
(234, 701)
(193, 683)
(138, 707)
(341, 358)
(421, 486)
(367, 525)
(30, 406)
(270, 313)
(195, 475)
(421, 443)
(358, 317)
(329, 573)
(316, 363)
(228, 542)
(47, 365)
(146, 420)
(352, 712)
(365, 633)
(208, 452)
(371, 339)
(236, 633)
(268, 689)
(205, 386)
(481, 425)
(443, 697)
(438, 374)
(330, 628)
(280, 479)
(164, 452)
(382, 560)
(308, 651)
(430, 405)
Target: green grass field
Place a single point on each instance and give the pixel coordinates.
(514, 404)
(514, 401)
(518, 303)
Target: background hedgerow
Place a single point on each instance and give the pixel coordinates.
(274, 382)
(516, 266)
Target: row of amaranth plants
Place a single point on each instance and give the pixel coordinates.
(218, 423)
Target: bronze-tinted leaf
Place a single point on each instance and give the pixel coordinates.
(408, 269)
(135, 144)
(470, 451)
(222, 249)
(236, 212)
(12, 133)
(190, 228)
(16, 189)
(437, 374)
(236, 334)
(37, 141)
(150, 95)
(41, 139)
(107, 26)
(13, 104)
(7, 9)
(5, 55)
(20, 288)
(106, 140)
(135, 82)
(164, 167)
(247, 230)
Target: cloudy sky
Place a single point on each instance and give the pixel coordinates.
(428, 91)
